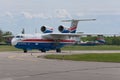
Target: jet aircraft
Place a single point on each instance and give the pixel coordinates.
(48, 40)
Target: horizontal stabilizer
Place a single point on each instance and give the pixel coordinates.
(78, 20)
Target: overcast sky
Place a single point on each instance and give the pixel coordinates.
(31, 14)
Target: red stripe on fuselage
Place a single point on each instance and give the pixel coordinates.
(37, 40)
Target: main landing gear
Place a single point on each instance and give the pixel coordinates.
(43, 50)
(25, 51)
(58, 50)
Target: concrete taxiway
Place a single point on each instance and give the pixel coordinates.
(22, 66)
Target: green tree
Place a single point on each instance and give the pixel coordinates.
(1, 33)
(116, 40)
(108, 40)
(89, 38)
(5, 35)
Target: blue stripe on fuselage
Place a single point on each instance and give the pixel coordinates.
(45, 46)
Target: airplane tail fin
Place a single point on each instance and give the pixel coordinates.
(101, 40)
(74, 24)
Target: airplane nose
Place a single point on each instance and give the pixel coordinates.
(13, 41)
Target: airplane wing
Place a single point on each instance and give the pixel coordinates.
(60, 36)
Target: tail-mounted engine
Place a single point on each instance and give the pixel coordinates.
(63, 29)
(46, 29)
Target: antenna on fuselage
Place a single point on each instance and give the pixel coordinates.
(23, 31)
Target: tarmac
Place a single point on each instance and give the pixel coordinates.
(26, 66)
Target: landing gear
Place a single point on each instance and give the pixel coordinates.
(43, 50)
(58, 50)
(25, 51)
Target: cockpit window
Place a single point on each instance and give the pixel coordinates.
(19, 36)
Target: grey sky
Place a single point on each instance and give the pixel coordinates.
(33, 12)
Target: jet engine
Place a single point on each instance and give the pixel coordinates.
(63, 29)
(46, 29)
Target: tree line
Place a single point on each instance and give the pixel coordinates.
(4, 34)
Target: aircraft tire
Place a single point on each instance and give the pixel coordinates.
(58, 50)
(43, 50)
(25, 51)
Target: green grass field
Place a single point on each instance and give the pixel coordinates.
(7, 48)
(113, 57)
(99, 47)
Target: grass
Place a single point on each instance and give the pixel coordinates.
(113, 57)
(99, 47)
(7, 48)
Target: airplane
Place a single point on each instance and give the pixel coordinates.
(98, 41)
(48, 40)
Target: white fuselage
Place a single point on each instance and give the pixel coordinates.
(38, 41)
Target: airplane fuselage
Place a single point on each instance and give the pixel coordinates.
(29, 42)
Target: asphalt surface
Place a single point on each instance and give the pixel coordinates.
(22, 66)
